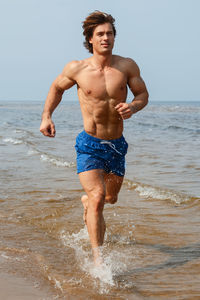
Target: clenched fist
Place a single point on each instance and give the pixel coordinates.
(125, 110)
(47, 127)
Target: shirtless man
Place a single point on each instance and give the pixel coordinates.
(101, 81)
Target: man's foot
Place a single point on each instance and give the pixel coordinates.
(84, 200)
(98, 257)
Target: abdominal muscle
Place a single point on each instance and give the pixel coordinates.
(101, 119)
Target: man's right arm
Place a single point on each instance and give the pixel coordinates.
(63, 82)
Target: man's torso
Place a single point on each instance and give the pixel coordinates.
(99, 91)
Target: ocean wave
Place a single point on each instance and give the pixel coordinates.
(13, 141)
(25, 132)
(169, 127)
(171, 108)
(176, 127)
(58, 162)
(158, 193)
(33, 152)
(17, 141)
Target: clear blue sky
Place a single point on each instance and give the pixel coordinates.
(38, 37)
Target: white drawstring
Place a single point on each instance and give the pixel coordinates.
(111, 146)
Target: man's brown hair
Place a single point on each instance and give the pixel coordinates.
(91, 22)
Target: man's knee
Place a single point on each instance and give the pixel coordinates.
(112, 199)
(96, 200)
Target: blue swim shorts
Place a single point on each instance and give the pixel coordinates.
(94, 153)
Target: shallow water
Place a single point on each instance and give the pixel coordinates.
(152, 248)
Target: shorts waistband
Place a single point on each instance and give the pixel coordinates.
(95, 139)
(87, 143)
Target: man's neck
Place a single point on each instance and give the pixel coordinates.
(102, 61)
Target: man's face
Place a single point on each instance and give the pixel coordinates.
(103, 38)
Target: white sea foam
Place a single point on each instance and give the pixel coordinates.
(33, 152)
(55, 161)
(13, 141)
(161, 194)
(5, 256)
(148, 191)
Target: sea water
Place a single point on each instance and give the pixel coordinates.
(151, 247)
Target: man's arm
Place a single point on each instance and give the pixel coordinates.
(63, 82)
(139, 90)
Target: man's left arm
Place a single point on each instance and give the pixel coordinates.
(139, 90)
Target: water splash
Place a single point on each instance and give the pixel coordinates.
(103, 276)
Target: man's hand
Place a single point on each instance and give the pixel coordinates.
(47, 127)
(125, 110)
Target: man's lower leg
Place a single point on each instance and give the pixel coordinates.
(96, 229)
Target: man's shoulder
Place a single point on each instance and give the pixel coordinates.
(76, 65)
(73, 67)
(127, 65)
(124, 60)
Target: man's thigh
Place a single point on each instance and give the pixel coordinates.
(113, 185)
(93, 181)
(99, 182)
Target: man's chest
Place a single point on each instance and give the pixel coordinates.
(103, 84)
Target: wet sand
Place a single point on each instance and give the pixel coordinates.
(15, 288)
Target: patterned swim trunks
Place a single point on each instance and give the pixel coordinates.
(94, 153)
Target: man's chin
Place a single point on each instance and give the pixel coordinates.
(106, 50)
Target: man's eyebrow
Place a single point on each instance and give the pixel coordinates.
(102, 31)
